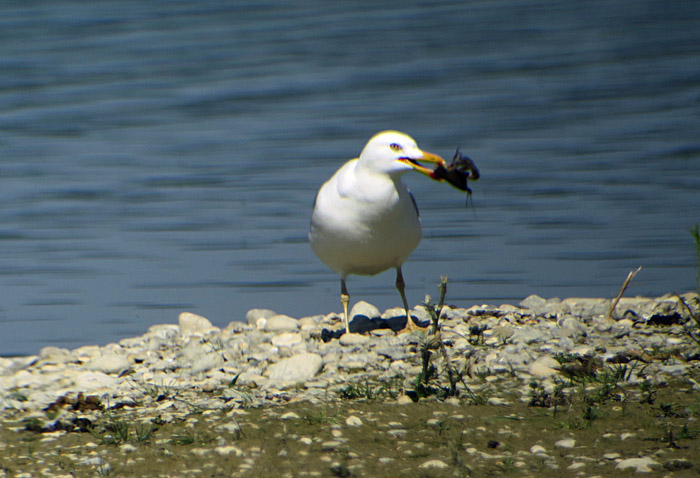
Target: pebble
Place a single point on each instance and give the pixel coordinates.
(281, 323)
(498, 402)
(229, 450)
(565, 443)
(286, 339)
(289, 416)
(255, 316)
(330, 445)
(110, 363)
(294, 370)
(353, 339)
(207, 362)
(127, 448)
(537, 449)
(353, 421)
(544, 366)
(191, 324)
(365, 309)
(640, 465)
(436, 464)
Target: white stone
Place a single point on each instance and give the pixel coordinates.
(232, 427)
(498, 402)
(254, 315)
(281, 323)
(565, 443)
(353, 421)
(353, 339)
(294, 370)
(289, 416)
(55, 354)
(286, 339)
(640, 465)
(544, 366)
(228, 450)
(127, 448)
(366, 309)
(91, 381)
(439, 464)
(394, 312)
(403, 400)
(207, 362)
(163, 332)
(583, 351)
(110, 363)
(330, 445)
(193, 324)
(537, 449)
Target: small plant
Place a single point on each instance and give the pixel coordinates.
(647, 391)
(456, 446)
(687, 433)
(340, 470)
(589, 413)
(367, 391)
(320, 416)
(476, 334)
(118, 432)
(621, 372)
(577, 369)
(482, 373)
(507, 465)
(143, 432)
(692, 329)
(353, 391)
(427, 346)
(103, 469)
(541, 398)
(187, 438)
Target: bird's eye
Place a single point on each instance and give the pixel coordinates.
(395, 147)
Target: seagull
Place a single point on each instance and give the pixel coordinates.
(364, 219)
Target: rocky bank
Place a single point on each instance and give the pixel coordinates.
(531, 351)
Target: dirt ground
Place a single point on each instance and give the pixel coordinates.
(377, 437)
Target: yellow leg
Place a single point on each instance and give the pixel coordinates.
(345, 300)
(401, 286)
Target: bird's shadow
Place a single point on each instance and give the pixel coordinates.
(361, 324)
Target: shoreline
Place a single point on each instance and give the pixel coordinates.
(495, 357)
(275, 352)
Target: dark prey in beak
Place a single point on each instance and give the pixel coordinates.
(457, 172)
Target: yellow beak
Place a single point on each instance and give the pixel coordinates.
(426, 157)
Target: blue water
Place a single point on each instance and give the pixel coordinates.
(157, 157)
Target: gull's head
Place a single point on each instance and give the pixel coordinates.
(393, 152)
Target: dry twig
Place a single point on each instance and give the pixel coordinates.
(625, 284)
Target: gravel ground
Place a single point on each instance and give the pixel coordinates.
(546, 388)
